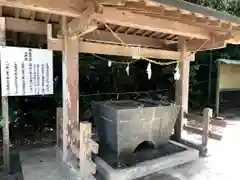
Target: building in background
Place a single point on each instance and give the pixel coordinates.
(228, 85)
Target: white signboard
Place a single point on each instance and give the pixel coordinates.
(26, 71)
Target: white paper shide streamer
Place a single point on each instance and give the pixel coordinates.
(177, 73)
(109, 63)
(127, 69)
(149, 70)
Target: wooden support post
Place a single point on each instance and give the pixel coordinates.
(5, 114)
(70, 67)
(182, 85)
(217, 89)
(65, 92)
(210, 78)
(58, 124)
(207, 115)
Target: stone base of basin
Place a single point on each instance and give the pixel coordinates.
(147, 167)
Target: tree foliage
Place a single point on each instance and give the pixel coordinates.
(220, 5)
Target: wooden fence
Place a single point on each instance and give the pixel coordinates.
(205, 130)
(79, 143)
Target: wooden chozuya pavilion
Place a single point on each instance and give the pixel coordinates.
(162, 29)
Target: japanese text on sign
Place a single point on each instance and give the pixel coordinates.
(26, 72)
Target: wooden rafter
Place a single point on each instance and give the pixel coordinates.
(203, 22)
(197, 25)
(71, 8)
(36, 27)
(135, 40)
(129, 19)
(128, 30)
(118, 29)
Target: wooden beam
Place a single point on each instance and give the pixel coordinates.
(212, 25)
(199, 119)
(112, 2)
(203, 45)
(37, 27)
(236, 36)
(84, 24)
(135, 40)
(181, 90)
(88, 47)
(117, 50)
(129, 19)
(72, 8)
(80, 26)
(5, 111)
(199, 131)
(216, 42)
(26, 26)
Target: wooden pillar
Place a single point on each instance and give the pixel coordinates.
(210, 78)
(70, 73)
(207, 116)
(217, 89)
(182, 88)
(5, 114)
(58, 125)
(64, 92)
